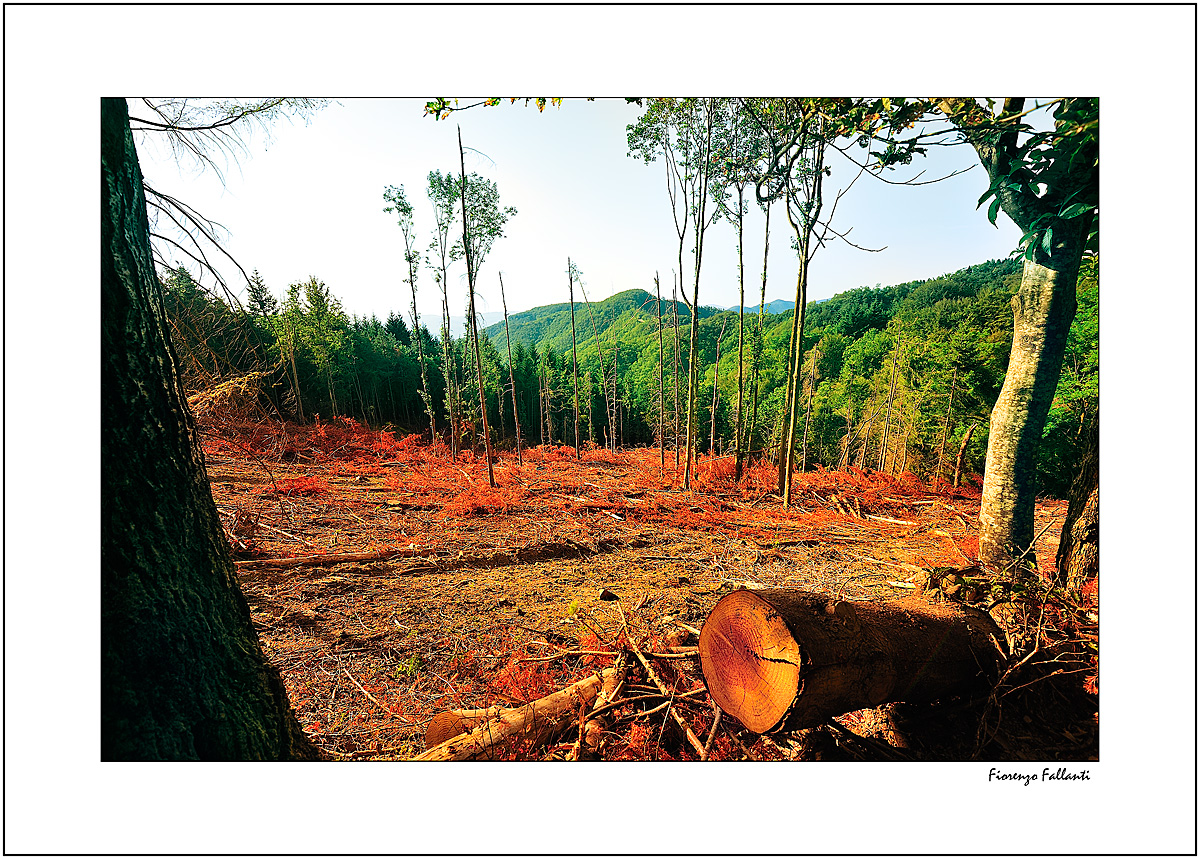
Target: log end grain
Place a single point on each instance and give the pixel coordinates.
(750, 661)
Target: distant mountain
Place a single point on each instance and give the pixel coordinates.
(458, 324)
(551, 324)
(776, 306)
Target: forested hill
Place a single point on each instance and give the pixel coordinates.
(551, 325)
(851, 313)
(898, 378)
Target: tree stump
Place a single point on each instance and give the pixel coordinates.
(781, 659)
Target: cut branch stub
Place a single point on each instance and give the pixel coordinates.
(789, 659)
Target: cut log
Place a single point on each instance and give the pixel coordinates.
(534, 722)
(452, 723)
(779, 659)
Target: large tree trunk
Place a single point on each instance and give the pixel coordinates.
(781, 659)
(1079, 546)
(1042, 313)
(182, 674)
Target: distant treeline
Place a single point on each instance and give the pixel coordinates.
(894, 378)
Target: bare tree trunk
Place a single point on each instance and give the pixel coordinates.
(946, 428)
(615, 435)
(693, 357)
(812, 383)
(739, 445)
(574, 355)
(662, 450)
(295, 375)
(887, 420)
(425, 396)
(712, 439)
(675, 310)
(511, 379)
(962, 455)
(758, 335)
(487, 436)
(448, 372)
(804, 233)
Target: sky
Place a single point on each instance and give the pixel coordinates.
(307, 201)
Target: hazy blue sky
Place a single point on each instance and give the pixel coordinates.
(309, 202)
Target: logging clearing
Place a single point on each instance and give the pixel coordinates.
(569, 613)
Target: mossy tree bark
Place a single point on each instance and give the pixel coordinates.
(1042, 313)
(182, 674)
(1056, 208)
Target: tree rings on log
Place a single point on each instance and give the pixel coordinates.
(779, 659)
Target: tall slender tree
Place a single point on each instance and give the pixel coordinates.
(662, 427)
(572, 276)
(403, 211)
(512, 382)
(443, 193)
(483, 223)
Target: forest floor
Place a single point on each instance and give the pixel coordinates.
(389, 582)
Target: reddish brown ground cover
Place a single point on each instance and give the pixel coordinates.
(454, 594)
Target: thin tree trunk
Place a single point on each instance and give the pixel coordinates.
(448, 371)
(487, 437)
(813, 209)
(615, 435)
(675, 440)
(787, 440)
(574, 355)
(693, 347)
(712, 439)
(511, 378)
(758, 334)
(425, 396)
(662, 430)
(888, 415)
(812, 384)
(962, 455)
(739, 447)
(295, 375)
(946, 428)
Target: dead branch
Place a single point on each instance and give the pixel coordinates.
(534, 722)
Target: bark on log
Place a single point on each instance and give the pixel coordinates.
(534, 722)
(779, 659)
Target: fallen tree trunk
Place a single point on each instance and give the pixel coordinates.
(534, 722)
(787, 659)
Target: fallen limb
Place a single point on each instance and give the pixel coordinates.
(662, 687)
(892, 521)
(591, 734)
(534, 722)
